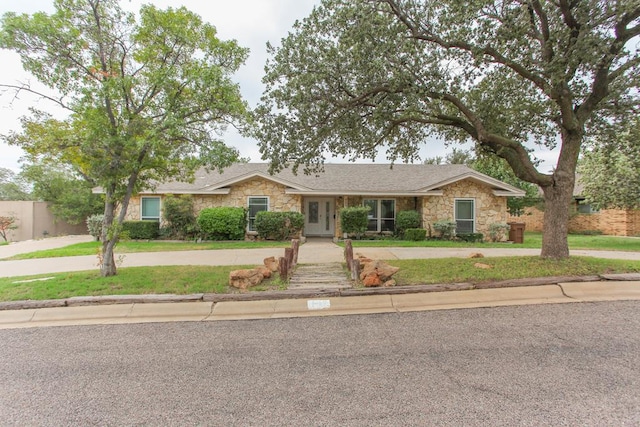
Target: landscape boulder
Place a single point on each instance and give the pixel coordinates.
(376, 273)
(244, 279)
(272, 263)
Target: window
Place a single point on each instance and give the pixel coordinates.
(586, 208)
(465, 216)
(256, 204)
(150, 209)
(382, 214)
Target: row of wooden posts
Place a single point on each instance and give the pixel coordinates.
(288, 262)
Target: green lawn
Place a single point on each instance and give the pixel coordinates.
(91, 248)
(531, 240)
(203, 279)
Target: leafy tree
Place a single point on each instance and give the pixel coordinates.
(358, 75)
(12, 186)
(146, 96)
(70, 197)
(498, 168)
(610, 171)
(455, 157)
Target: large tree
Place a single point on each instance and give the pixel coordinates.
(357, 76)
(13, 186)
(147, 97)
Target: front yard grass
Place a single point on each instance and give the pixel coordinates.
(184, 280)
(131, 246)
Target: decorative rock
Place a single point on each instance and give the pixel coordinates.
(375, 273)
(476, 255)
(271, 263)
(266, 272)
(389, 283)
(243, 279)
(371, 281)
(481, 265)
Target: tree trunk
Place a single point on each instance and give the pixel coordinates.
(108, 266)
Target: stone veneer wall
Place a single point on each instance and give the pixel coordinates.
(489, 209)
(279, 201)
(614, 222)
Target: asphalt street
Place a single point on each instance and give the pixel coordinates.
(565, 364)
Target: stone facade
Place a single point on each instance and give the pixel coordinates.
(489, 209)
(238, 196)
(613, 222)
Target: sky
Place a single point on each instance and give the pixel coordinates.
(252, 23)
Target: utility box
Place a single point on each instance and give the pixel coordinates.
(516, 232)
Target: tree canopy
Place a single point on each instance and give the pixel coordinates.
(13, 186)
(610, 170)
(359, 76)
(147, 95)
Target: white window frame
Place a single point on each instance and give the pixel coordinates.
(379, 219)
(455, 213)
(250, 219)
(150, 218)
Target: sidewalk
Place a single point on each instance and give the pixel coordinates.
(292, 308)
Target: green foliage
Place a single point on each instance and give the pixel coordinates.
(470, 237)
(415, 234)
(12, 186)
(498, 231)
(179, 216)
(445, 228)
(610, 169)
(94, 225)
(223, 223)
(69, 196)
(147, 95)
(406, 220)
(141, 230)
(354, 220)
(279, 225)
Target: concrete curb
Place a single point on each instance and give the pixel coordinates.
(308, 294)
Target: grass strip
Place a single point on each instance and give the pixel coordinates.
(182, 280)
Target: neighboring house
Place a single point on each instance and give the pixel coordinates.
(438, 192)
(585, 218)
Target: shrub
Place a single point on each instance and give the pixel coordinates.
(180, 219)
(406, 220)
(471, 237)
(141, 230)
(278, 225)
(354, 220)
(415, 234)
(94, 225)
(498, 231)
(223, 223)
(445, 228)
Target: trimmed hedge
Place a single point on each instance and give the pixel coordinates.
(406, 220)
(179, 216)
(446, 228)
(141, 230)
(415, 234)
(94, 225)
(354, 220)
(471, 237)
(223, 223)
(278, 225)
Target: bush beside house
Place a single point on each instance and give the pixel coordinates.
(223, 223)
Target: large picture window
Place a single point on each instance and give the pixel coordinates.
(256, 204)
(465, 212)
(382, 214)
(150, 209)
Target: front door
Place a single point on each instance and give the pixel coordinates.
(319, 218)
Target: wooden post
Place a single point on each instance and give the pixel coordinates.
(355, 270)
(288, 254)
(283, 269)
(295, 245)
(348, 252)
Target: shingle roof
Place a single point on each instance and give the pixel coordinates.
(341, 178)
